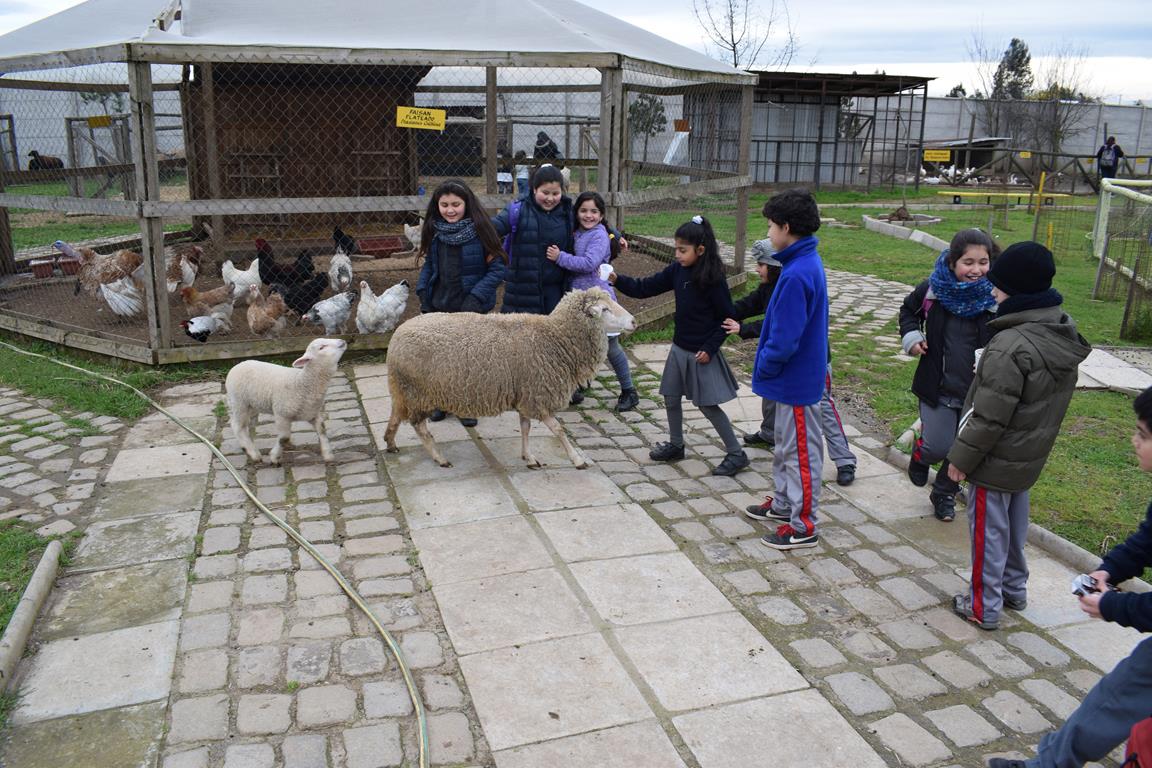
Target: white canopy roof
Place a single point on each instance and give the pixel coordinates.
(478, 32)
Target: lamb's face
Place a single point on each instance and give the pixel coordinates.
(615, 318)
(327, 351)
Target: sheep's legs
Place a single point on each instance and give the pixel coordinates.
(425, 435)
(390, 432)
(283, 439)
(575, 455)
(325, 448)
(525, 425)
(238, 417)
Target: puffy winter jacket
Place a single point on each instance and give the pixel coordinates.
(479, 277)
(1129, 609)
(946, 369)
(1024, 382)
(533, 283)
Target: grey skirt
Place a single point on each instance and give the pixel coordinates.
(709, 384)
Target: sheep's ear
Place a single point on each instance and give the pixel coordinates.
(303, 361)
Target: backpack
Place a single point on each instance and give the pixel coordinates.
(1108, 156)
(513, 222)
(1139, 751)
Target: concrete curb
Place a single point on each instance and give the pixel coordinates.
(15, 637)
(1060, 548)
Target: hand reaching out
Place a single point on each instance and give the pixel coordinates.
(730, 326)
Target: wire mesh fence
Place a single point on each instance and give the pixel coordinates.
(243, 194)
(1122, 245)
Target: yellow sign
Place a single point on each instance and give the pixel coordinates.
(421, 117)
(99, 121)
(937, 155)
(1025, 155)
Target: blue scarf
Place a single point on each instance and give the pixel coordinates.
(455, 233)
(962, 299)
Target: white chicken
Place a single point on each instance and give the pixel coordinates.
(340, 271)
(381, 314)
(241, 278)
(218, 320)
(117, 278)
(332, 313)
(413, 234)
(182, 264)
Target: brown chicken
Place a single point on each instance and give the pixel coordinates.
(266, 316)
(182, 264)
(201, 302)
(117, 278)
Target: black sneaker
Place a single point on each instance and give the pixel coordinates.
(1003, 762)
(666, 452)
(846, 475)
(1016, 603)
(437, 415)
(944, 507)
(577, 397)
(466, 421)
(733, 463)
(962, 607)
(756, 440)
(628, 400)
(785, 538)
(917, 472)
(767, 512)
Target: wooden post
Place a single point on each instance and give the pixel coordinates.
(746, 102)
(7, 250)
(490, 139)
(75, 183)
(604, 154)
(211, 150)
(148, 189)
(622, 148)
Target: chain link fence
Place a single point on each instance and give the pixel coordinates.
(215, 184)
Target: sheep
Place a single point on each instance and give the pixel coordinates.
(255, 387)
(483, 365)
(41, 162)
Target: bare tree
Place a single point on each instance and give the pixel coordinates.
(1004, 79)
(739, 33)
(1062, 104)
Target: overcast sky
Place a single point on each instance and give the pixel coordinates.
(898, 37)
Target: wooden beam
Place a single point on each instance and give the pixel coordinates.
(43, 85)
(681, 191)
(741, 235)
(490, 139)
(7, 250)
(127, 209)
(65, 59)
(77, 339)
(230, 350)
(211, 150)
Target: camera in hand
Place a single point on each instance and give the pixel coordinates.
(1084, 585)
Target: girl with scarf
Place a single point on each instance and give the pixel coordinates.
(943, 322)
(464, 261)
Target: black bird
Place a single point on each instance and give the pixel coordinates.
(345, 243)
(302, 295)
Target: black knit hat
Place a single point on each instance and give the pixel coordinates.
(1025, 267)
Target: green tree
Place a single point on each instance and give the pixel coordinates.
(1013, 78)
(646, 117)
(957, 91)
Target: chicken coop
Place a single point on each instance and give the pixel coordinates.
(217, 170)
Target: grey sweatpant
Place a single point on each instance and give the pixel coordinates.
(838, 449)
(1102, 721)
(939, 424)
(796, 464)
(998, 524)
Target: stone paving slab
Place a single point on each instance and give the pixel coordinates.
(627, 746)
(137, 540)
(127, 737)
(600, 533)
(114, 599)
(138, 498)
(453, 553)
(160, 461)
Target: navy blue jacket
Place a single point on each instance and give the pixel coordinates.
(699, 312)
(534, 284)
(947, 369)
(792, 356)
(479, 277)
(1124, 561)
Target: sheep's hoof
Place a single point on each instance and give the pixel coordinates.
(392, 449)
(583, 465)
(328, 459)
(533, 463)
(445, 463)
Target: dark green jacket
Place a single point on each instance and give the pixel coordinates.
(1014, 407)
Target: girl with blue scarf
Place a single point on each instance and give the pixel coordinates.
(943, 322)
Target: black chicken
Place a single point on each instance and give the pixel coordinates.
(271, 272)
(345, 243)
(301, 296)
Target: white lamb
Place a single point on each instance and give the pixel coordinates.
(289, 394)
(483, 365)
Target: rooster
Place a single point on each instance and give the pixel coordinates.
(301, 296)
(117, 278)
(218, 320)
(381, 314)
(201, 302)
(266, 316)
(332, 313)
(340, 271)
(241, 278)
(182, 264)
(271, 272)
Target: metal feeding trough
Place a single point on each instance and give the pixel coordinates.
(382, 246)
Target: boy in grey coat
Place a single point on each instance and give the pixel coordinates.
(1024, 382)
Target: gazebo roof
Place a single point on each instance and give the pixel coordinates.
(509, 33)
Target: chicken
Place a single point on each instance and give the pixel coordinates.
(302, 296)
(345, 243)
(332, 313)
(241, 279)
(266, 316)
(340, 271)
(218, 320)
(182, 264)
(413, 234)
(116, 278)
(201, 302)
(381, 314)
(271, 272)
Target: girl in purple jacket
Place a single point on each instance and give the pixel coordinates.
(595, 245)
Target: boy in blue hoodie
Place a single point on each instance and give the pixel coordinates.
(791, 362)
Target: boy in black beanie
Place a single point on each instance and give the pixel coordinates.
(1024, 382)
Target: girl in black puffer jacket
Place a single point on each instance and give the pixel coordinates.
(943, 322)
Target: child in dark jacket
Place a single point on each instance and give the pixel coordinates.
(791, 366)
(464, 261)
(943, 322)
(754, 304)
(1024, 382)
(696, 367)
(1120, 699)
